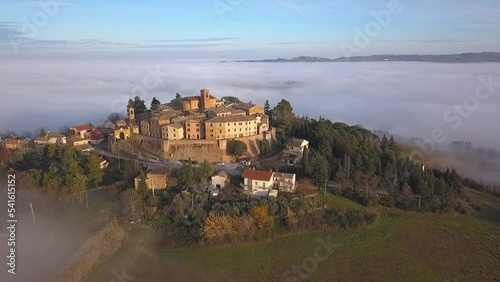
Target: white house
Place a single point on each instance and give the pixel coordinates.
(57, 137)
(258, 183)
(220, 179)
(294, 150)
(51, 138)
(284, 182)
(268, 183)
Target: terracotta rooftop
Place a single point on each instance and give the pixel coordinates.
(192, 98)
(176, 125)
(295, 142)
(221, 174)
(258, 175)
(232, 118)
(157, 171)
(11, 141)
(84, 127)
(55, 134)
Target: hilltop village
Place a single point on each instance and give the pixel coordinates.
(197, 128)
(194, 118)
(172, 129)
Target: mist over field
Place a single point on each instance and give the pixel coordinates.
(404, 98)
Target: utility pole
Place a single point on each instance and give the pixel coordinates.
(32, 212)
(87, 196)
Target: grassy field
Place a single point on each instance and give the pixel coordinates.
(401, 247)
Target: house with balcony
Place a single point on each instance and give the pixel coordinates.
(284, 182)
(81, 130)
(294, 150)
(267, 183)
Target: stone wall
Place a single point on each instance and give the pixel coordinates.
(196, 150)
(150, 144)
(200, 150)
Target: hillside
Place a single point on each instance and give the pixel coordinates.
(450, 58)
(401, 247)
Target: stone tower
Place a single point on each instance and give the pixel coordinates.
(131, 114)
(205, 99)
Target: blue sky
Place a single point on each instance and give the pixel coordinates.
(244, 28)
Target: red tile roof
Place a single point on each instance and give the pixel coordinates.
(258, 175)
(192, 98)
(84, 127)
(11, 141)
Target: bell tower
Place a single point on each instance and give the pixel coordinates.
(205, 99)
(131, 113)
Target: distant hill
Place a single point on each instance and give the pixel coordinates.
(485, 57)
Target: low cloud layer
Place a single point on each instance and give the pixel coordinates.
(407, 99)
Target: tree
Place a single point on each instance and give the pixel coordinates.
(75, 186)
(50, 181)
(320, 170)
(93, 169)
(64, 129)
(138, 104)
(142, 187)
(265, 147)
(177, 96)
(261, 216)
(31, 182)
(43, 133)
(267, 108)
(306, 167)
(50, 151)
(132, 205)
(283, 114)
(230, 100)
(204, 172)
(186, 175)
(155, 103)
(236, 148)
(114, 117)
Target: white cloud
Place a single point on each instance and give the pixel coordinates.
(405, 98)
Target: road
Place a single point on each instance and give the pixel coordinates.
(144, 160)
